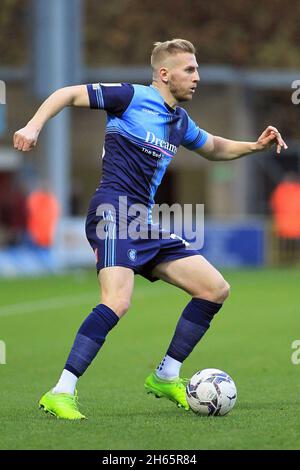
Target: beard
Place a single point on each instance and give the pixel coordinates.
(179, 94)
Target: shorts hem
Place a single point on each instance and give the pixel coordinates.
(119, 265)
(171, 258)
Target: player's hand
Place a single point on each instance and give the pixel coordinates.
(26, 138)
(269, 137)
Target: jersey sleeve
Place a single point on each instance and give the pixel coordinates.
(194, 137)
(112, 97)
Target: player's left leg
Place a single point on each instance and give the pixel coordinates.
(208, 289)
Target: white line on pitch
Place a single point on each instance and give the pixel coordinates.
(47, 304)
(63, 301)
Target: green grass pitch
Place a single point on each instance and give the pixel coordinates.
(250, 339)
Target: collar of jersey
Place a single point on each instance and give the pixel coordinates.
(169, 108)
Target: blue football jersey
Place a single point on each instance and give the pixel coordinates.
(142, 136)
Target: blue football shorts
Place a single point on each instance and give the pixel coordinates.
(113, 247)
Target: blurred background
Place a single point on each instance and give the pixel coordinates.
(248, 53)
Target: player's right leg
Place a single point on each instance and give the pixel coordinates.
(116, 286)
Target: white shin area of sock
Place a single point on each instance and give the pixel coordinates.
(168, 369)
(66, 383)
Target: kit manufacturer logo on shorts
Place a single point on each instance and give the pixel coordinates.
(132, 254)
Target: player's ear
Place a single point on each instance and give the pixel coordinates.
(164, 74)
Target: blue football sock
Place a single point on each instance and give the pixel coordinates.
(192, 325)
(89, 339)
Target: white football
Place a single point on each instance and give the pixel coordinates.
(211, 392)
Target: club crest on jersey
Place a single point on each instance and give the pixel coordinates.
(132, 254)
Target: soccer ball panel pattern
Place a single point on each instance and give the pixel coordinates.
(211, 392)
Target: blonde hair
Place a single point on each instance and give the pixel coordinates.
(163, 49)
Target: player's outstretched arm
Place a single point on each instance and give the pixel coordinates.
(220, 149)
(25, 139)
